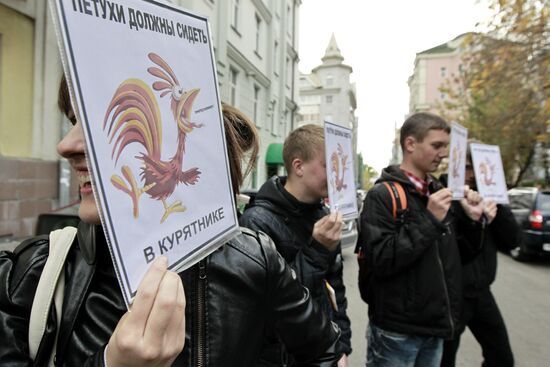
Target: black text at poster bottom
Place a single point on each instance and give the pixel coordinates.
(176, 238)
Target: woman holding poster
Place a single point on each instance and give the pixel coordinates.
(230, 297)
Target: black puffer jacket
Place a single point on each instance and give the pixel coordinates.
(416, 266)
(290, 224)
(502, 234)
(232, 296)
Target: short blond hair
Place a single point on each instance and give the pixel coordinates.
(303, 143)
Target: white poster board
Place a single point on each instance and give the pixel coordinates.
(490, 180)
(143, 82)
(457, 160)
(340, 170)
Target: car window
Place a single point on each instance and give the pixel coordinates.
(543, 202)
(521, 201)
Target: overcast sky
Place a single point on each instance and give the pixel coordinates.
(379, 40)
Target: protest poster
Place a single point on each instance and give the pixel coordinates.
(340, 170)
(489, 172)
(457, 160)
(143, 81)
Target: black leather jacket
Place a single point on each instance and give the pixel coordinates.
(503, 234)
(416, 261)
(232, 296)
(290, 224)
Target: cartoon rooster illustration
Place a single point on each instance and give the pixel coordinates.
(456, 160)
(133, 116)
(339, 167)
(488, 172)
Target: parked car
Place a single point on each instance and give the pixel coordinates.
(531, 208)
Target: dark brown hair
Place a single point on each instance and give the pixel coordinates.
(242, 139)
(418, 125)
(303, 143)
(63, 97)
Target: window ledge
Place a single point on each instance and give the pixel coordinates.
(236, 30)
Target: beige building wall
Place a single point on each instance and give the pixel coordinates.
(32, 178)
(16, 83)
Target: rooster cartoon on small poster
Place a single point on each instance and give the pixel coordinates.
(457, 159)
(489, 172)
(340, 170)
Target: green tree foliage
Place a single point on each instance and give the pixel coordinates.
(369, 175)
(503, 93)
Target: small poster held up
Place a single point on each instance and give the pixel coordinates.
(457, 160)
(144, 86)
(340, 170)
(490, 180)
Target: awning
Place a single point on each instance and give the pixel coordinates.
(274, 154)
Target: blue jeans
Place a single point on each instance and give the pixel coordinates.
(389, 349)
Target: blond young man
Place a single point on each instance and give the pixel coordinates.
(291, 211)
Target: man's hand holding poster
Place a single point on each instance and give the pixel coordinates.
(340, 170)
(143, 82)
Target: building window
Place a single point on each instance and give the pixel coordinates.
(289, 19)
(233, 74)
(288, 72)
(328, 99)
(274, 122)
(235, 14)
(329, 80)
(258, 33)
(287, 127)
(275, 57)
(256, 105)
(443, 71)
(254, 175)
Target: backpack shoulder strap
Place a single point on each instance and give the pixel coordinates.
(50, 288)
(398, 197)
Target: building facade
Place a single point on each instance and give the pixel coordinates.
(256, 48)
(255, 45)
(326, 94)
(432, 70)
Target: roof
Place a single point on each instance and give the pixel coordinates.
(446, 47)
(332, 51)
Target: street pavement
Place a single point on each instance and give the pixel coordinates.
(522, 291)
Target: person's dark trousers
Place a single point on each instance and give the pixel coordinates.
(483, 318)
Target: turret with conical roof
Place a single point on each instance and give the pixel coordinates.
(332, 53)
(333, 57)
(327, 94)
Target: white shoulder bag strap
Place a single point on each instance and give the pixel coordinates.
(51, 286)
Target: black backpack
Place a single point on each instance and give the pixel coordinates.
(399, 206)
